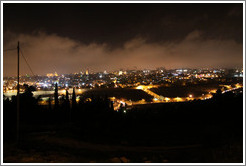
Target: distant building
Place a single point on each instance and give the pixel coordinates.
(161, 69)
(52, 75)
(87, 72)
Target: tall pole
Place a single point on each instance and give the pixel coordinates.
(18, 93)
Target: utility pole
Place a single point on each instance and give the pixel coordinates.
(18, 94)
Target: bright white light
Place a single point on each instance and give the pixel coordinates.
(155, 99)
(140, 87)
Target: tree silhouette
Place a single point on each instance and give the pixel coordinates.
(56, 96)
(67, 105)
(218, 92)
(49, 101)
(67, 97)
(28, 91)
(67, 101)
(111, 105)
(73, 99)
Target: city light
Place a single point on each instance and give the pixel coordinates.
(140, 87)
(167, 99)
(138, 82)
(178, 99)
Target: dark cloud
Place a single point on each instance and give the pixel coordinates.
(72, 37)
(115, 24)
(49, 53)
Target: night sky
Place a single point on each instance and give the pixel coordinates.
(69, 38)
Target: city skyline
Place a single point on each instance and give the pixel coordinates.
(122, 36)
(125, 71)
(123, 82)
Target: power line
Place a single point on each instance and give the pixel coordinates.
(10, 49)
(27, 62)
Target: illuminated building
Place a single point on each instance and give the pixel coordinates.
(52, 75)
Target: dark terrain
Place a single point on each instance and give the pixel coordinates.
(90, 131)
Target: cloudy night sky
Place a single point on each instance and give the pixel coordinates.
(69, 38)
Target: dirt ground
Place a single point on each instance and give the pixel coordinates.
(47, 147)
